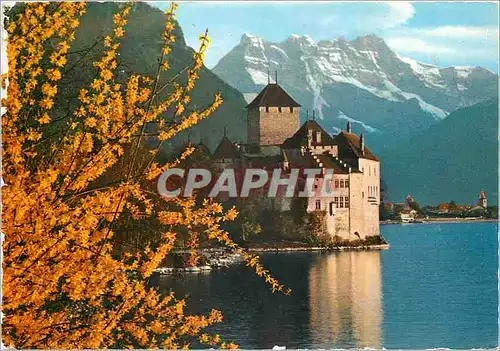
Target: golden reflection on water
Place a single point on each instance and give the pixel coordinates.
(345, 297)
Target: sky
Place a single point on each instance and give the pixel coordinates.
(441, 33)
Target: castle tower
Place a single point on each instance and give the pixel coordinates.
(483, 202)
(273, 116)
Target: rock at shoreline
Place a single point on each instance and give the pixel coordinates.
(213, 259)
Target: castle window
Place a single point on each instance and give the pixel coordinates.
(336, 183)
(341, 205)
(267, 108)
(279, 108)
(331, 208)
(362, 194)
(346, 202)
(346, 183)
(291, 109)
(341, 183)
(336, 201)
(318, 204)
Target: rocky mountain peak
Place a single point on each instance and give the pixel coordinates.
(250, 39)
(369, 41)
(361, 80)
(300, 39)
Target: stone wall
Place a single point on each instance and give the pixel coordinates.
(276, 126)
(342, 220)
(371, 191)
(253, 132)
(357, 205)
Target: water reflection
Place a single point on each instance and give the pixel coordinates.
(345, 298)
(335, 301)
(439, 281)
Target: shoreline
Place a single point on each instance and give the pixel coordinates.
(319, 248)
(443, 220)
(225, 260)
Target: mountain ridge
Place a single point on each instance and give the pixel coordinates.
(362, 79)
(452, 160)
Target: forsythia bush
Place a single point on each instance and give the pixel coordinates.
(62, 287)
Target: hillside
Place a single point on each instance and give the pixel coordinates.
(139, 51)
(452, 160)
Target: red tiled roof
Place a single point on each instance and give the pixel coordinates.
(445, 206)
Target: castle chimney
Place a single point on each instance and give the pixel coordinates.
(348, 126)
(362, 143)
(314, 118)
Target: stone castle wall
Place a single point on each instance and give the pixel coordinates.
(361, 219)
(272, 127)
(371, 192)
(253, 132)
(357, 206)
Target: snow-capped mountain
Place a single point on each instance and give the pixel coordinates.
(362, 80)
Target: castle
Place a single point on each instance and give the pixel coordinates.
(275, 139)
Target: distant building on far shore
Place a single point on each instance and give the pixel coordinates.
(408, 215)
(444, 207)
(483, 202)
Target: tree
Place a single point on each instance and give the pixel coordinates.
(453, 206)
(73, 179)
(416, 206)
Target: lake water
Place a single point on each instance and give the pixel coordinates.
(435, 287)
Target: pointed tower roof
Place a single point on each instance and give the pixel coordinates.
(273, 95)
(226, 149)
(203, 148)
